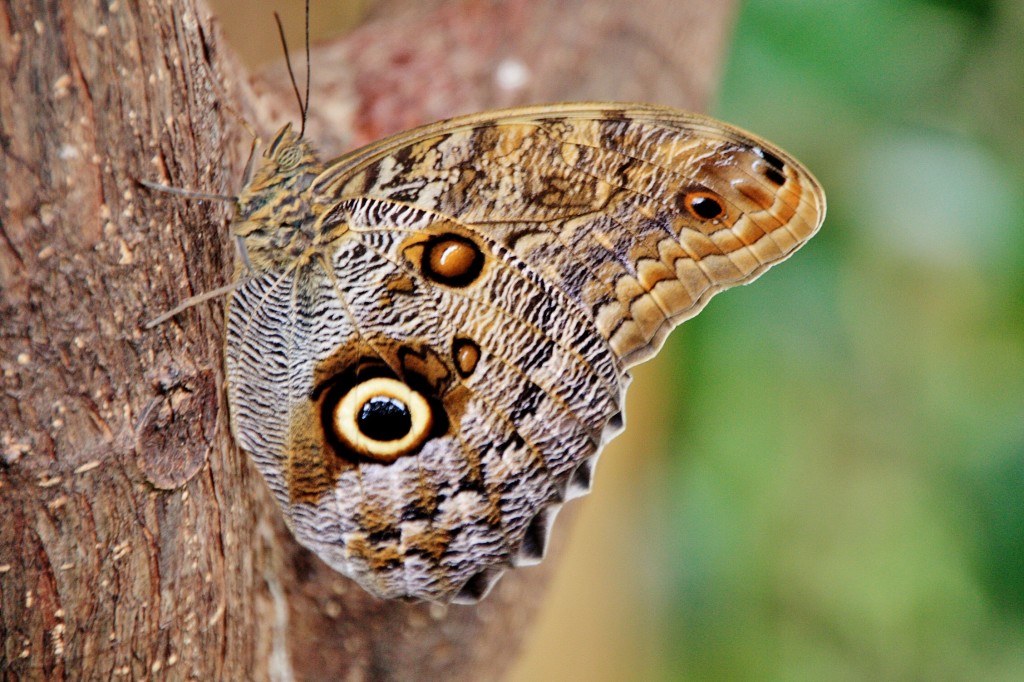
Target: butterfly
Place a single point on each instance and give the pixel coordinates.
(429, 338)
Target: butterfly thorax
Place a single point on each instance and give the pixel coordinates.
(274, 216)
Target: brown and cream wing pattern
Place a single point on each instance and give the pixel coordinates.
(432, 344)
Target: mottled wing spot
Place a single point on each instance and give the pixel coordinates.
(466, 355)
(774, 169)
(452, 260)
(445, 255)
(310, 468)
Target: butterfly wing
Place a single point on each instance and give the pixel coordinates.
(428, 382)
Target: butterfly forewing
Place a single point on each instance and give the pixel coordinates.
(433, 368)
(623, 198)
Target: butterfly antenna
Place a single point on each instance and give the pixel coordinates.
(288, 63)
(305, 108)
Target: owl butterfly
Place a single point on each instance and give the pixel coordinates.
(429, 338)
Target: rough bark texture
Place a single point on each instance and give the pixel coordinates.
(135, 540)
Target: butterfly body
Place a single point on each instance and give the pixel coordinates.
(275, 218)
(430, 340)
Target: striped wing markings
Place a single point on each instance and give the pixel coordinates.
(525, 272)
(538, 333)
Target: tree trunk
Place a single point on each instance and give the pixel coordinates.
(135, 540)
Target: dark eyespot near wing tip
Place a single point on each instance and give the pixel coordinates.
(773, 161)
(775, 168)
(477, 587)
(775, 176)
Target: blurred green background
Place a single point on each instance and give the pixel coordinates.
(842, 493)
(866, 520)
(839, 493)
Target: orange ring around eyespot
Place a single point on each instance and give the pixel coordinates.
(691, 202)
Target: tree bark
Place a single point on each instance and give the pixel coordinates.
(136, 541)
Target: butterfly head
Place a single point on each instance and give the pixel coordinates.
(288, 155)
(288, 164)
